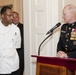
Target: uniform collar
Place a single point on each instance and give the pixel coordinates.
(72, 24)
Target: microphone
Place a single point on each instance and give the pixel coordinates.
(51, 30)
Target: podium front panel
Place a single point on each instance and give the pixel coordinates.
(48, 69)
(55, 66)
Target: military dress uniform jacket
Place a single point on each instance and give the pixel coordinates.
(67, 41)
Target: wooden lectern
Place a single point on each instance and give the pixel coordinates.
(55, 66)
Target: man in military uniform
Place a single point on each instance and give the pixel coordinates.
(66, 47)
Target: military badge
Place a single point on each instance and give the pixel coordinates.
(73, 34)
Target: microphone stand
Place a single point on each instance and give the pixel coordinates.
(43, 42)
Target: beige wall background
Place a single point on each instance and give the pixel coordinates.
(17, 6)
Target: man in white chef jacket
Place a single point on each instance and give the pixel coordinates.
(10, 39)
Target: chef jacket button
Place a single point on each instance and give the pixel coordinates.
(4, 57)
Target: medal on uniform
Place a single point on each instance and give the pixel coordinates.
(73, 34)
